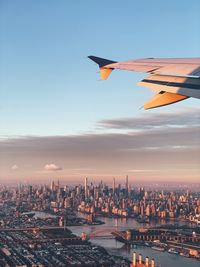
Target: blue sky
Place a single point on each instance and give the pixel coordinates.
(48, 87)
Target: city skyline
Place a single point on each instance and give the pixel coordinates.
(48, 222)
(58, 121)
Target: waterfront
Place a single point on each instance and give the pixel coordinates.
(117, 248)
(31, 218)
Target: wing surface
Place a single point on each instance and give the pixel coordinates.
(178, 76)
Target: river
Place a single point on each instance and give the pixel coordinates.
(163, 259)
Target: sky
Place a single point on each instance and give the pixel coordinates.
(58, 120)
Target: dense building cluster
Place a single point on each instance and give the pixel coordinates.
(28, 239)
(140, 203)
(27, 248)
(122, 201)
(30, 233)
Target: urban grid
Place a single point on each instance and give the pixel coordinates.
(35, 223)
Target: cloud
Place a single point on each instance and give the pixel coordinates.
(151, 121)
(169, 142)
(14, 167)
(52, 167)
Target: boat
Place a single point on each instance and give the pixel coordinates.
(173, 251)
(184, 255)
(158, 248)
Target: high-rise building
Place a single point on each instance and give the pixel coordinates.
(86, 187)
(52, 186)
(30, 189)
(58, 184)
(127, 184)
(113, 186)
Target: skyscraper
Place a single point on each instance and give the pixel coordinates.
(52, 186)
(113, 186)
(86, 187)
(127, 185)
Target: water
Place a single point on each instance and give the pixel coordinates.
(163, 259)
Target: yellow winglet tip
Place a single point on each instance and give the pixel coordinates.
(105, 72)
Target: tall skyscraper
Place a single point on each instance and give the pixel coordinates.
(86, 187)
(52, 186)
(127, 185)
(113, 186)
(58, 185)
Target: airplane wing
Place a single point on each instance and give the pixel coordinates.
(173, 80)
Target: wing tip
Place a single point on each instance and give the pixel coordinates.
(102, 62)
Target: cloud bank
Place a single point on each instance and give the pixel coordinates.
(150, 121)
(159, 145)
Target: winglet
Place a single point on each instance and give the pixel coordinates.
(105, 72)
(102, 62)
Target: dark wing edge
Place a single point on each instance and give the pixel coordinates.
(102, 62)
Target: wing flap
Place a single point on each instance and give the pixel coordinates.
(163, 99)
(186, 86)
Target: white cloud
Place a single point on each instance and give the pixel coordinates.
(14, 167)
(52, 167)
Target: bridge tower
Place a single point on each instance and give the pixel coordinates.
(128, 235)
(84, 236)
